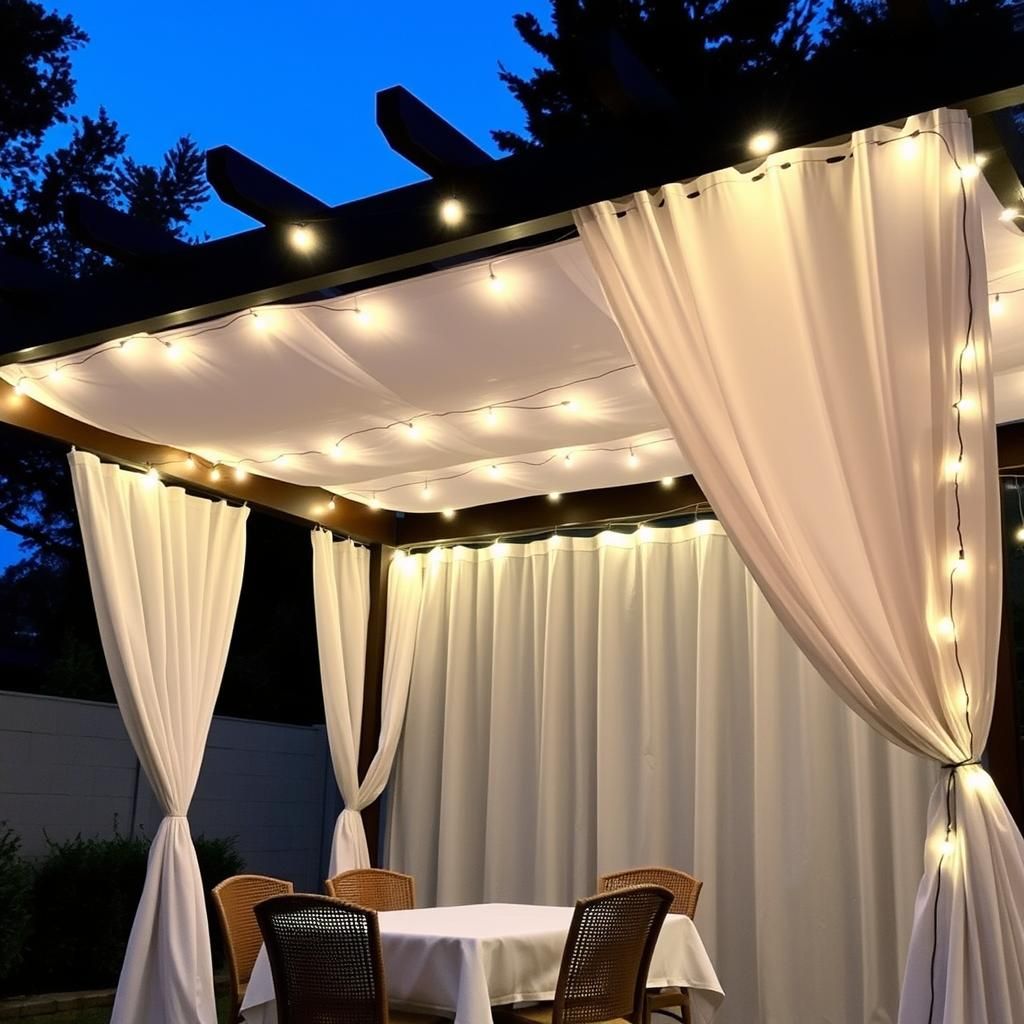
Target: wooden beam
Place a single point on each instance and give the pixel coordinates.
(522, 198)
(117, 234)
(304, 505)
(259, 192)
(997, 139)
(425, 138)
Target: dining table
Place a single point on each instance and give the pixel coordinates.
(460, 961)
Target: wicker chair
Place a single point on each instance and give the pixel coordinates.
(685, 891)
(325, 957)
(374, 889)
(235, 899)
(607, 955)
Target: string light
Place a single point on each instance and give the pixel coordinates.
(944, 627)
(241, 473)
(495, 471)
(571, 405)
(555, 497)
(554, 540)
(215, 473)
(151, 477)
(492, 417)
(260, 321)
(632, 462)
(414, 430)
(190, 462)
(946, 847)
(362, 316)
(763, 142)
(374, 502)
(1011, 213)
(968, 172)
(127, 345)
(332, 504)
(704, 526)
(668, 482)
(54, 374)
(499, 549)
(20, 385)
(1019, 535)
(336, 451)
(966, 404)
(954, 467)
(497, 285)
(908, 147)
(568, 460)
(448, 513)
(174, 350)
(281, 460)
(302, 238)
(996, 307)
(960, 566)
(644, 532)
(426, 491)
(452, 212)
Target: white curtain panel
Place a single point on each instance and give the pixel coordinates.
(341, 596)
(805, 329)
(166, 571)
(584, 705)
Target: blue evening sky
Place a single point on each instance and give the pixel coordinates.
(292, 84)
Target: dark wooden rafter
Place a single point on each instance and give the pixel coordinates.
(265, 196)
(118, 234)
(424, 138)
(521, 198)
(998, 140)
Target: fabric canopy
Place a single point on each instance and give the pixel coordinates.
(817, 335)
(592, 703)
(166, 571)
(342, 602)
(298, 378)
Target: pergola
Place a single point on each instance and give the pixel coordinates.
(445, 363)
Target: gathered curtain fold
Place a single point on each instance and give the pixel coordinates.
(341, 597)
(817, 336)
(166, 571)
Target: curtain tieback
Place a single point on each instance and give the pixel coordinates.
(953, 765)
(175, 817)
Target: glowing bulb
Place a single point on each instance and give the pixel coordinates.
(571, 405)
(499, 549)
(970, 171)
(944, 627)
(1011, 213)
(967, 354)
(414, 431)
(302, 238)
(281, 460)
(995, 307)
(332, 504)
(215, 473)
(374, 502)
(954, 467)
(554, 497)
(260, 321)
(568, 460)
(908, 147)
(127, 345)
(241, 473)
(426, 491)
(960, 566)
(492, 417)
(20, 385)
(554, 540)
(152, 477)
(190, 462)
(644, 533)
(336, 451)
(632, 462)
(452, 212)
(981, 159)
(966, 404)
(762, 143)
(495, 471)
(496, 284)
(946, 847)
(1019, 535)
(448, 513)
(54, 374)
(668, 482)
(362, 316)
(173, 350)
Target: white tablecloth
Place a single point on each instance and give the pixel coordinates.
(462, 960)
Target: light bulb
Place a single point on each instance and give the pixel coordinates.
(970, 171)
(499, 549)
(568, 460)
(215, 473)
(944, 627)
(281, 460)
(336, 451)
(946, 847)
(495, 471)
(967, 354)
(960, 566)
(995, 307)
(452, 212)
(492, 417)
(966, 404)
(1019, 535)
(1011, 213)
(127, 345)
(20, 385)
(152, 477)
(954, 467)
(173, 350)
(414, 430)
(190, 462)
(241, 473)
(763, 142)
(302, 238)
(908, 147)
(374, 502)
(448, 513)
(644, 533)
(362, 316)
(571, 405)
(668, 482)
(981, 159)
(426, 491)
(260, 321)
(632, 462)
(54, 374)
(555, 497)
(497, 285)
(332, 504)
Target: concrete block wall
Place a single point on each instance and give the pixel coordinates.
(67, 768)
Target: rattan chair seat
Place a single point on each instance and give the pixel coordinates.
(540, 1014)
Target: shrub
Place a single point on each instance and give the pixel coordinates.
(84, 899)
(14, 901)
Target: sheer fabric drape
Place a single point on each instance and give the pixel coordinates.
(592, 704)
(804, 330)
(166, 571)
(341, 598)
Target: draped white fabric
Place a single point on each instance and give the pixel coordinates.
(341, 598)
(591, 704)
(166, 570)
(803, 330)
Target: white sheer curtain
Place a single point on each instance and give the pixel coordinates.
(806, 331)
(166, 570)
(599, 703)
(341, 598)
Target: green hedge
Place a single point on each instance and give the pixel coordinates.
(79, 901)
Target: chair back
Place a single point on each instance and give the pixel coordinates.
(325, 957)
(607, 955)
(235, 899)
(374, 889)
(685, 888)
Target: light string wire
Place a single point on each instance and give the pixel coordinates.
(696, 509)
